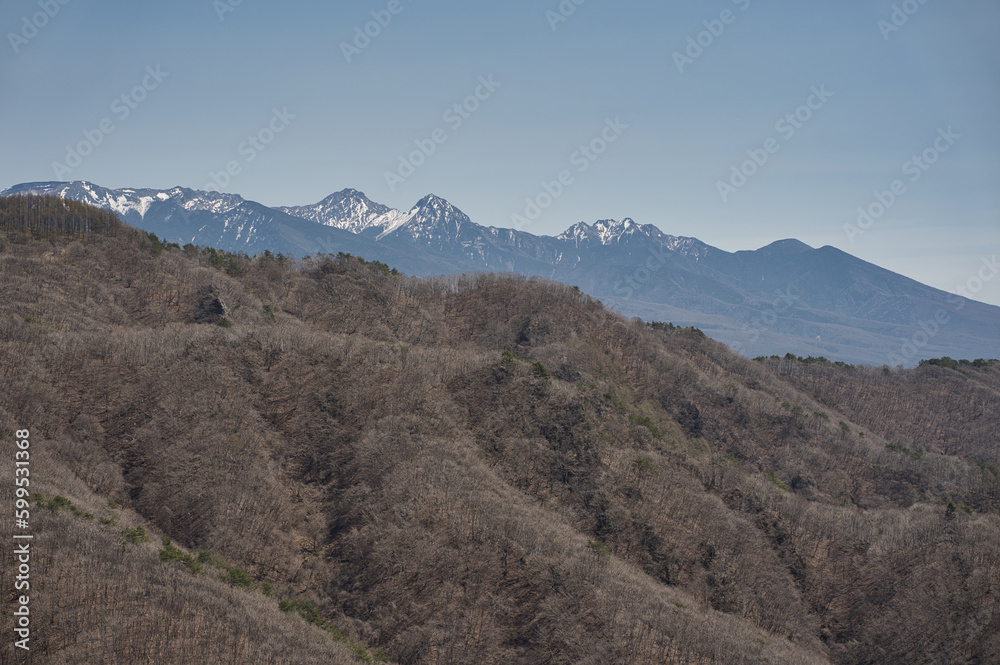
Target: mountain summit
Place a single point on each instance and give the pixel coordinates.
(432, 220)
(347, 209)
(604, 232)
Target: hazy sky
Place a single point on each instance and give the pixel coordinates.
(671, 95)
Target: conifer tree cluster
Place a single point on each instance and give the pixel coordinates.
(49, 216)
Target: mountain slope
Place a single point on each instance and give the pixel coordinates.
(786, 297)
(479, 469)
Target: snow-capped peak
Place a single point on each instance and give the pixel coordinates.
(434, 210)
(615, 232)
(352, 211)
(605, 231)
(610, 230)
(347, 209)
(431, 218)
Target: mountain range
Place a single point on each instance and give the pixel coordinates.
(786, 297)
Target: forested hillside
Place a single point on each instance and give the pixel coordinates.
(267, 460)
(944, 406)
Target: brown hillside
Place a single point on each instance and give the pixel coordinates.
(473, 470)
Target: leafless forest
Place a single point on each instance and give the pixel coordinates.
(268, 460)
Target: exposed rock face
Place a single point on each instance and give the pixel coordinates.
(210, 307)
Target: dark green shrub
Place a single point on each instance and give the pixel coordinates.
(136, 535)
(239, 577)
(172, 553)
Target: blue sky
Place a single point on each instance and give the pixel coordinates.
(683, 125)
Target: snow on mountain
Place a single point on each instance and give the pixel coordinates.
(347, 209)
(835, 299)
(215, 202)
(609, 233)
(433, 224)
(128, 202)
(78, 191)
(352, 211)
(431, 219)
(390, 221)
